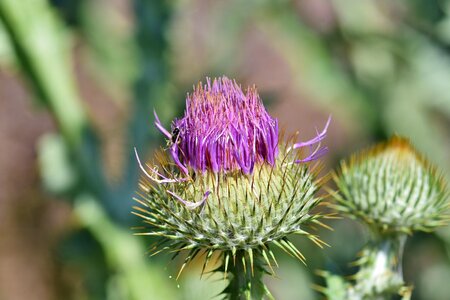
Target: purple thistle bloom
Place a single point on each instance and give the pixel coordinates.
(235, 186)
(225, 129)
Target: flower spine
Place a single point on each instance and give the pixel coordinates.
(229, 183)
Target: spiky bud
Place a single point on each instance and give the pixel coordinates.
(392, 188)
(394, 191)
(233, 186)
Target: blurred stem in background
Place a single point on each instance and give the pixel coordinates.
(381, 269)
(380, 274)
(42, 48)
(150, 89)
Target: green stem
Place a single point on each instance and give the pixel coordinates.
(245, 279)
(380, 275)
(42, 50)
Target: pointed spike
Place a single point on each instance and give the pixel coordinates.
(292, 251)
(266, 259)
(192, 254)
(273, 258)
(244, 264)
(292, 246)
(295, 250)
(207, 259)
(250, 255)
(233, 252)
(279, 245)
(183, 247)
(175, 255)
(261, 223)
(323, 225)
(181, 269)
(317, 241)
(159, 251)
(227, 259)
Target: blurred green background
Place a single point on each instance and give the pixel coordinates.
(79, 80)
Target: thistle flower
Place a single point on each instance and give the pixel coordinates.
(394, 191)
(233, 186)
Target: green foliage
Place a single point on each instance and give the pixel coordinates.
(42, 49)
(73, 161)
(57, 174)
(134, 278)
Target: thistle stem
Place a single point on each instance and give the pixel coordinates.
(380, 274)
(245, 278)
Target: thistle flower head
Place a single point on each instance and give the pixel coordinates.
(224, 129)
(232, 185)
(393, 189)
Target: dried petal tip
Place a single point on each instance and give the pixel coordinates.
(393, 188)
(223, 129)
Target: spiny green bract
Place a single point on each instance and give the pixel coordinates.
(243, 212)
(393, 189)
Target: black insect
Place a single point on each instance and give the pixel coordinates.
(175, 134)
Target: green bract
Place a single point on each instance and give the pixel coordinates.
(241, 212)
(392, 189)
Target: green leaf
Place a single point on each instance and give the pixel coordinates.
(42, 50)
(136, 277)
(57, 172)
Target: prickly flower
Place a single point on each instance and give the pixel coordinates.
(228, 182)
(392, 188)
(395, 191)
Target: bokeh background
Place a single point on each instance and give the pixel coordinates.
(79, 80)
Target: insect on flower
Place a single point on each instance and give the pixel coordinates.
(174, 138)
(175, 133)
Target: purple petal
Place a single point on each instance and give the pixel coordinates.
(174, 151)
(314, 156)
(319, 151)
(160, 127)
(319, 137)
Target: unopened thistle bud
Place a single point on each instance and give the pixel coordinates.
(393, 189)
(228, 183)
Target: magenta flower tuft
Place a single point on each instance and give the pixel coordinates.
(225, 129)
